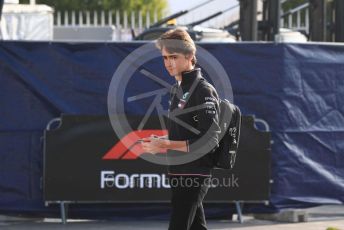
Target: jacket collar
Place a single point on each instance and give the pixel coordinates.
(188, 77)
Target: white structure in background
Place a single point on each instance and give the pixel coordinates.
(100, 26)
(36, 22)
(289, 31)
(288, 35)
(26, 22)
(85, 33)
(11, 1)
(77, 26)
(301, 14)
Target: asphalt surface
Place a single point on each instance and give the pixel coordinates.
(320, 218)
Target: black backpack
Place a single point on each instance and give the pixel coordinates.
(230, 121)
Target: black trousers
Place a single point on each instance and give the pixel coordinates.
(188, 193)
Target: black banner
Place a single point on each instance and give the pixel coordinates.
(84, 161)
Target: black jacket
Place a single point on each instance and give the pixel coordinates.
(193, 116)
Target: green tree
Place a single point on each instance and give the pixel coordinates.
(288, 5)
(150, 6)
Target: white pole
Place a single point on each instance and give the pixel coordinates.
(147, 19)
(307, 20)
(125, 19)
(66, 20)
(73, 18)
(118, 23)
(298, 19)
(58, 18)
(81, 19)
(110, 18)
(140, 20)
(95, 18)
(290, 21)
(132, 20)
(103, 18)
(88, 18)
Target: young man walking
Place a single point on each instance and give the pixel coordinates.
(193, 131)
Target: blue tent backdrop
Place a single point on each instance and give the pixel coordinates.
(298, 89)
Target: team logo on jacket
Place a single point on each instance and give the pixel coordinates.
(186, 95)
(182, 101)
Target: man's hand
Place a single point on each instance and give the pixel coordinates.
(154, 144)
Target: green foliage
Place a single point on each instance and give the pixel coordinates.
(114, 5)
(288, 5)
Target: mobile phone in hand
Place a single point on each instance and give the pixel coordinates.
(142, 140)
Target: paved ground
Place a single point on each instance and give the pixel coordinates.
(320, 218)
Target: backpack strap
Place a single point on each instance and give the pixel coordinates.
(234, 131)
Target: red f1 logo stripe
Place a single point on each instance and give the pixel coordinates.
(128, 147)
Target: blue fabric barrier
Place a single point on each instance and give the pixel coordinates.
(297, 89)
